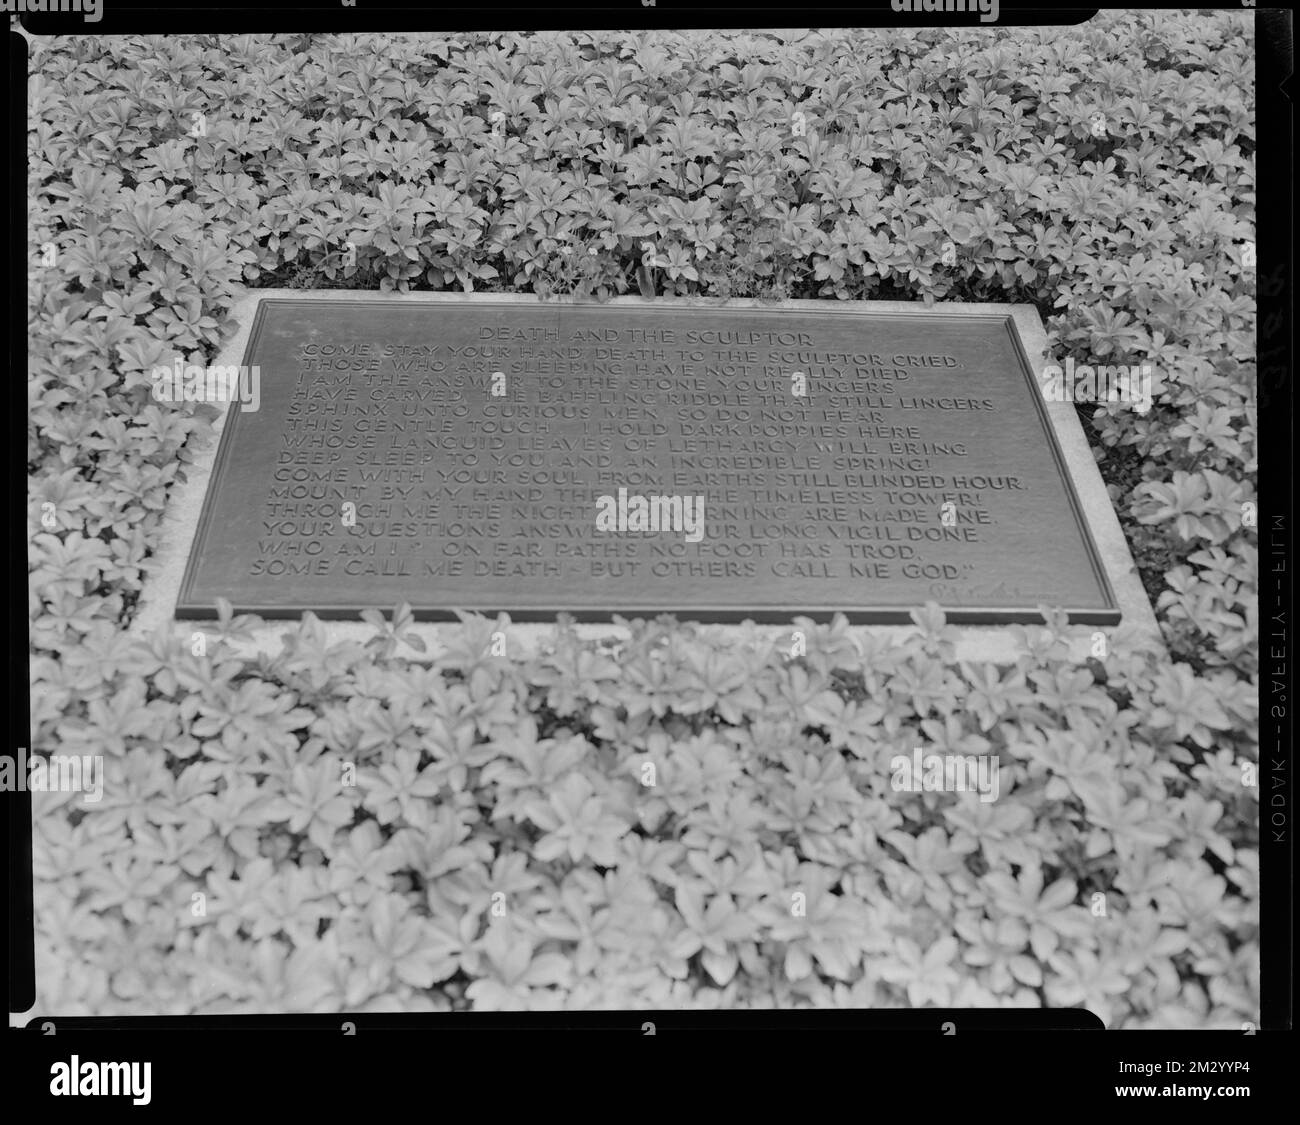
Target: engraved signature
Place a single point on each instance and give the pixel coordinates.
(995, 589)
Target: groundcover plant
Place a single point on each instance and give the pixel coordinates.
(350, 827)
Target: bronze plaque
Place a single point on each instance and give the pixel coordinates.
(716, 463)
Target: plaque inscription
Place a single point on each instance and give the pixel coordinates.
(717, 463)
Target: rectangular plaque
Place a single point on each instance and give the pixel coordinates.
(717, 463)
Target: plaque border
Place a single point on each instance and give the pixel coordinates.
(1109, 614)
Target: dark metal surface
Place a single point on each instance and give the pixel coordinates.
(466, 499)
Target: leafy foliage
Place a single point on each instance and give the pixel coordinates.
(369, 831)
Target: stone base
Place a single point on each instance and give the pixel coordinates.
(983, 643)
